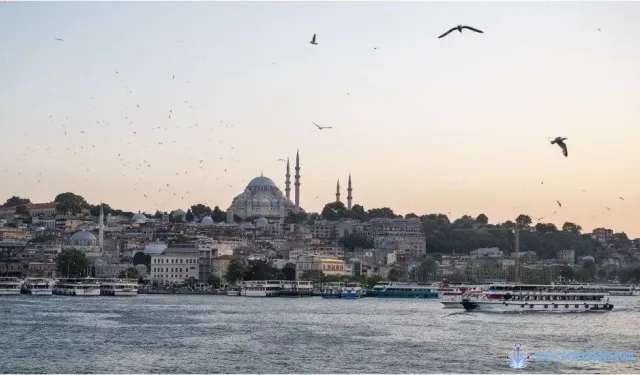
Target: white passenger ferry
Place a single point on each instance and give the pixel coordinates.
(262, 288)
(10, 286)
(537, 298)
(88, 287)
(119, 288)
(455, 301)
(38, 286)
(352, 291)
(622, 290)
(295, 288)
(233, 292)
(332, 290)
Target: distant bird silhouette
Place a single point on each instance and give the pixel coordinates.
(313, 40)
(321, 127)
(59, 39)
(559, 204)
(280, 160)
(375, 47)
(459, 28)
(560, 142)
(608, 209)
(621, 198)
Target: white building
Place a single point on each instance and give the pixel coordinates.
(175, 264)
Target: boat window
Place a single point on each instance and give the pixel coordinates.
(546, 306)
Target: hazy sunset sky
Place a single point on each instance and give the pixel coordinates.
(458, 124)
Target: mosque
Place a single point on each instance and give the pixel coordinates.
(263, 199)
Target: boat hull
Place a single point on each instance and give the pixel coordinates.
(40, 292)
(452, 304)
(350, 295)
(119, 293)
(331, 296)
(261, 293)
(385, 294)
(296, 293)
(233, 293)
(94, 292)
(536, 306)
(9, 292)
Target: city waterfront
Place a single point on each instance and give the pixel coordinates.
(220, 334)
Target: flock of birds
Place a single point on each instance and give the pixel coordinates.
(141, 167)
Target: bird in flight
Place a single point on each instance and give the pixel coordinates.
(459, 28)
(559, 204)
(59, 39)
(280, 160)
(560, 142)
(321, 127)
(313, 40)
(621, 198)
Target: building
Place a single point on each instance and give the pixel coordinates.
(567, 257)
(175, 264)
(328, 266)
(395, 228)
(44, 209)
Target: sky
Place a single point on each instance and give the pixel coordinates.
(457, 125)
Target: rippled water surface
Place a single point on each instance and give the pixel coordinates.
(213, 334)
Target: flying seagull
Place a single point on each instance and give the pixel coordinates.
(621, 198)
(459, 28)
(313, 41)
(59, 39)
(560, 142)
(321, 127)
(559, 204)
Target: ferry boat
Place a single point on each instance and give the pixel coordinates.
(233, 292)
(88, 287)
(455, 301)
(295, 288)
(402, 290)
(537, 298)
(262, 289)
(332, 290)
(10, 286)
(119, 288)
(38, 286)
(622, 290)
(351, 291)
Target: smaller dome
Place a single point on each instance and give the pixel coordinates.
(262, 223)
(139, 217)
(246, 225)
(178, 212)
(207, 220)
(264, 202)
(155, 247)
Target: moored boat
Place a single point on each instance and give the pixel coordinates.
(455, 301)
(233, 292)
(262, 289)
(295, 288)
(119, 288)
(540, 298)
(38, 286)
(351, 291)
(332, 290)
(622, 290)
(84, 287)
(402, 290)
(10, 286)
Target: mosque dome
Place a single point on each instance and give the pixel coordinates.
(139, 218)
(262, 223)
(207, 220)
(264, 202)
(261, 181)
(179, 212)
(83, 238)
(155, 248)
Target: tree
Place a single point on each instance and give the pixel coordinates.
(546, 228)
(214, 281)
(289, 271)
(355, 240)
(72, 263)
(358, 213)
(295, 217)
(259, 270)
(22, 210)
(181, 239)
(16, 201)
(142, 258)
(571, 228)
(218, 215)
(334, 211)
(394, 275)
(129, 273)
(70, 203)
(313, 217)
(482, 219)
(95, 210)
(567, 272)
(523, 220)
(383, 213)
(425, 271)
(158, 215)
(411, 216)
(200, 210)
(235, 271)
(189, 216)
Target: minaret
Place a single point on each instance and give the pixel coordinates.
(338, 191)
(349, 189)
(287, 182)
(101, 229)
(297, 176)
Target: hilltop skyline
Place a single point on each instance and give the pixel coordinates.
(424, 125)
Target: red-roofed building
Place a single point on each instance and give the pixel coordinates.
(41, 208)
